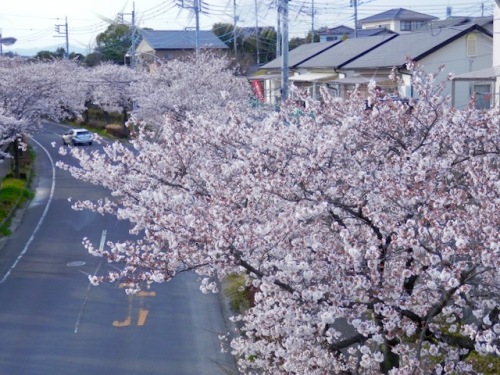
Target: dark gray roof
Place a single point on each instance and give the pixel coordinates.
(415, 45)
(342, 29)
(300, 54)
(372, 31)
(349, 33)
(458, 21)
(181, 39)
(345, 52)
(400, 14)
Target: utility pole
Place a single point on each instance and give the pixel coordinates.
(284, 56)
(312, 21)
(196, 7)
(235, 34)
(278, 29)
(354, 3)
(133, 57)
(65, 32)
(257, 36)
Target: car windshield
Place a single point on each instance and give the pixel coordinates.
(82, 133)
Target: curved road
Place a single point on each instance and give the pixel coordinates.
(53, 322)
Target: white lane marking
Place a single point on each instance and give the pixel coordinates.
(82, 309)
(42, 218)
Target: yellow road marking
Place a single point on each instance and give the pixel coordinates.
(125, 323)
(143, 314)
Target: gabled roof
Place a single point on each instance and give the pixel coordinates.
(181, 39)
(398, 14)
(345, 52)
(342, 29)
(373, 31)
(415, 45)
(300, 54)
(458, 21)
(349, 33)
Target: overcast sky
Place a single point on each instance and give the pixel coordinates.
(32, 22)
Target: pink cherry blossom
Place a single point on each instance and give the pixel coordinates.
(360, 232)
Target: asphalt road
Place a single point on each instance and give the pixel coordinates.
(53, 322)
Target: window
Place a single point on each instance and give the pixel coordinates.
(483, 96)
(419, 24)
(471, 45)
(405, 26)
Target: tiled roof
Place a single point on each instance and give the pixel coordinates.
(346, 51)
(400, 14)
(349, 33)
(300, 54)
(336, 30)
(458, 21)
(181, 39)
(415, 45)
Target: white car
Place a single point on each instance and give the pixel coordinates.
(77, 137)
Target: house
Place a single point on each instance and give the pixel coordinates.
(332, 60)
(460, 49)
(171, 44)
(399, 20)
(453, 21)
(336, 33)
(344, 32)
(483, 84)
(268, 79)
(343, 64)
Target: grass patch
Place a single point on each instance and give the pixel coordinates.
(484, 364)
(14, 192)
(237, 292)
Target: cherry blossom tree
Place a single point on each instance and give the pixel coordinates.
(191, 85)
(110, 87)
(32, 91)
(368, 235)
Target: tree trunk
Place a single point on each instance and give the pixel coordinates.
(15, 154)
(86, 115)
(391, 360)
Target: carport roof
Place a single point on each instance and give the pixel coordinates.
(487, 74)
(361, 79)
(311, 77)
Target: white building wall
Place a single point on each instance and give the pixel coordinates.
(496, 34)
(496, 45)
(454, 58)
(390, 24)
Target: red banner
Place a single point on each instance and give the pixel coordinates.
(257, 87)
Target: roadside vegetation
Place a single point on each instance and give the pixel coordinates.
(14, 192)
